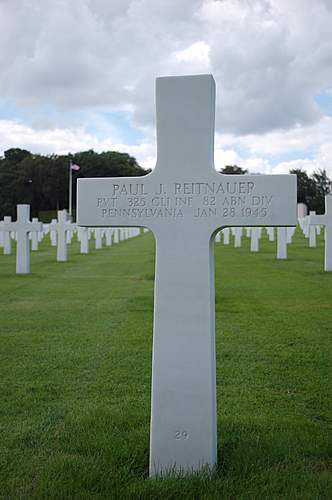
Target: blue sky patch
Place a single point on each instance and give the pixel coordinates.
(119, 121)
(324, 101)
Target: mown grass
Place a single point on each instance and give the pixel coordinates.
(75, 374)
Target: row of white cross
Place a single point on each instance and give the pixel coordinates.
(284, 237)
(60, 230)
(309, 223)
(184, 201)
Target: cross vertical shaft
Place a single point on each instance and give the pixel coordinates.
(325, 220)
(22, 257)
(183, 413)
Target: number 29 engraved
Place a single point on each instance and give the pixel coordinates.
(181, 435)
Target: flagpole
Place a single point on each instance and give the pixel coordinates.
(70, 188)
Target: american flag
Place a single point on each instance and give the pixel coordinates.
(73, 166)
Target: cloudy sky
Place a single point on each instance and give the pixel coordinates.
(79, 74)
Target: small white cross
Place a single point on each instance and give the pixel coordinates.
(7, 242)
(325, 220)
(22, 228)
(61, 227)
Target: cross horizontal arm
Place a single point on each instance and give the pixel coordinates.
(7, 226)
(60, 226)
(210, 199)
(34, 226)
(28, 227)
(317, 220)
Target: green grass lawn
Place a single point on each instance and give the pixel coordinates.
(75, 374)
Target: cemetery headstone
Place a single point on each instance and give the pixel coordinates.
(254, 241)
(7, 241)
(98, 238)
(237, 231)
(312, 232)
(23, 227)
(289, 234)
(302, 210)
(226, 234)
(61, 227)
(281, 243)
(116, 235)
(109, 235)
(53, 233)
(34, 236)
(326, 221)
(84, 240)
(270, 233)
(184, 201)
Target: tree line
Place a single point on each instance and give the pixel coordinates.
(42, 181)
(311, 189)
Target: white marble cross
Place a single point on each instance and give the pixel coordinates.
(255, 237)
(281, 243)
(98, 238)
(325, 220)
(184, 201)
(116, 235)
(53, 233)
(290, 231)
(226, 234)
(7, 241)
(61, 227)
(34, 236)
(83, 237)
(109, 234)
(22, 227)
(237, 231)
(270, 233)
(312, 232)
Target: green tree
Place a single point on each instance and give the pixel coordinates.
(233, 169)
(16, 155)
(42, 181)
(322, 184)
(311, 190)
(305, 186)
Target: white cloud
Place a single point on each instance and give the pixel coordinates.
(63, 141)
(66, 63)
(299, 138)
(311, 140)
(270, 58)
(197, 53)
